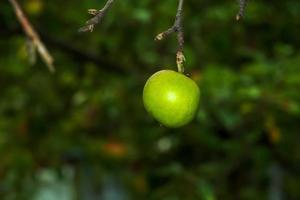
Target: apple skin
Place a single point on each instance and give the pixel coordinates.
(171, 98)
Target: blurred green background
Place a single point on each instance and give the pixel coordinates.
(83, 134)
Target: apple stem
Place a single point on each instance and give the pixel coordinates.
(180, 60)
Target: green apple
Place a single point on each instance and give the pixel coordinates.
(171, 98)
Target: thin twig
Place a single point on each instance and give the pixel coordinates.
(242, 7)
(98, 15)
(176, 28)
(33, 35)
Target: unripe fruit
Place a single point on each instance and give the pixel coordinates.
(171, 98)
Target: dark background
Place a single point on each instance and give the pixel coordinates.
(83, 133)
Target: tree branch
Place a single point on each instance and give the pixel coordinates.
(66, 47)
(176, 28)
(98, 15)
(33, 36)
(242, 5)
(81, 55)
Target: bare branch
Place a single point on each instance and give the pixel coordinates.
(176, 28)
(242, 5)
(98, 15)
(33, 36)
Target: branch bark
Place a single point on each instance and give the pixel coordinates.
(98, 15)
(242, 5)
(176, 28)
(33, 35)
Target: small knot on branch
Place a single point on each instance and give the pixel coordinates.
(93, 11)
(159, 37)
(180, 59)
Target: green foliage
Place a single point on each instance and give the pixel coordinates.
(90, 113)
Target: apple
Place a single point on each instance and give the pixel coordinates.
(171, 98)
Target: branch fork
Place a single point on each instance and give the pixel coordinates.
(176, 28)
(98, 15)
